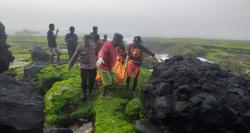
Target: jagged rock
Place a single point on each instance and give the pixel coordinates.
(21, 108)
(5, 55)
(85, 128)
(190, 96)
(39, 54)
(59, 130)
(30, 72)
(146, 127)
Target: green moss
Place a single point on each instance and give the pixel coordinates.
(185, 50)
(149, 62)
(62, 98)
(54, 73)
(109, 117)
(133, 109)
(233, 65)
(18, 72)
(217, 55)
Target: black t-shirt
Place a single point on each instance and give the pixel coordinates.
(71, 39)
(51, 39)
(96, 36)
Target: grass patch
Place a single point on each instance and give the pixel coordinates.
(217, 55)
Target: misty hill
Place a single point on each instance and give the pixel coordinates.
(26, 32)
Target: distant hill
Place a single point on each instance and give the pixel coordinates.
(26, 32)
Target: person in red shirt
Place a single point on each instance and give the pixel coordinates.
(106, 60)
(134, 61)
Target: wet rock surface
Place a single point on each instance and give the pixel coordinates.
(30, 72)
(190, 96)
(21, 109)
(144, 127)
(5, 55)
(39, 54)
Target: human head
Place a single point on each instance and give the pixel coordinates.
(137, 40)
(95, 29)
(72, 29)
(117, 40)
(51, 27)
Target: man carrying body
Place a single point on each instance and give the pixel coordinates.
(134, 61)
(88, 56)
(71, 39)
(106, 59)
(52, 43)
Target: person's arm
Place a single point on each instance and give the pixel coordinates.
(66, 38)
(126, 62)
(128, 50)
(144, 49)
(74, 58)
(56, 33)
(128, 54)
(101, 55)
(76, 37)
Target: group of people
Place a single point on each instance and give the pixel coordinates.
(99, 56)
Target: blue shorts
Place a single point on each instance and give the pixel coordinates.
(54, 51)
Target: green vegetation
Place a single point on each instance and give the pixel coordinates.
(229, 54)
(233, 44)
(133, 109)
(216, 55)
(63, 105)
(63, 91)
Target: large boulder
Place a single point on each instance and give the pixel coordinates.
(5, 55)
(21, 109)
(39, 54)
(190, 96)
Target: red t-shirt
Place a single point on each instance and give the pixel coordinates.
(108, 53)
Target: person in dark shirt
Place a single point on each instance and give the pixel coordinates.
(52, 43)
(134, 61)
(71, 39)
(88, 56)
(95, 34)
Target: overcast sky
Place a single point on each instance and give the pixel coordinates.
(163, 18)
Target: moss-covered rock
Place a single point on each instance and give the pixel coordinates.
(63, 105)
(62, 98)
(109, 117)
(53, 73)
(133, 109)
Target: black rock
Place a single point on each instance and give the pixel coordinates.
(30, 72)
(21, 108)
(39, 54)
(146, 127)
(60, 130)
(190, 96)
(5, 55)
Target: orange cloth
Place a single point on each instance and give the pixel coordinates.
(119, 71)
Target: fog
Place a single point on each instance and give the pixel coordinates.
(228, 19)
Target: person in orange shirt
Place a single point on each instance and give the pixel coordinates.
(134, 61)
